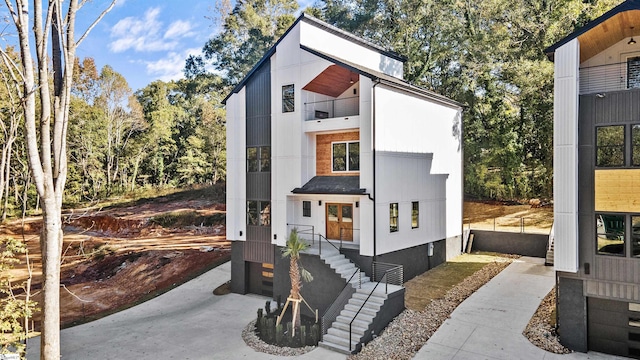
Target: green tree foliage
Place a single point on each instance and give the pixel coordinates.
(488, 55)
(15, 307)
(247, 33)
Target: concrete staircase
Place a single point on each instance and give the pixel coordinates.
(337, 337)
(549, 257)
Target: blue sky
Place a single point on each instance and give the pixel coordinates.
(147, 40)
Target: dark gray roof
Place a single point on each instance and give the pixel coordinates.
(384, 78)
(345, 185)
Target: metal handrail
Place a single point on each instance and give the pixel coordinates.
(397, 270)
(363, 304)
(341, 300)
(311, 230)
(609, 77)
(320, 237)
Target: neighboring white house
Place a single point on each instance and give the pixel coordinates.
(323, 135)
(597, 183)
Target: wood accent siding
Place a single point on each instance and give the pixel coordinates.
(617, 190)
(323, 152)
(607, 33)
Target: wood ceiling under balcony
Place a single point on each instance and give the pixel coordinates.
(622, 25)
(333, 81)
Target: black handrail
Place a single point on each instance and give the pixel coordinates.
(365, 301)
(320, 236)
(336, 306)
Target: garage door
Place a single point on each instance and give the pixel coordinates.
(614, 327)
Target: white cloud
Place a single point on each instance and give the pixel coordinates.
(179, 29)
(145, 34)
(171, 66)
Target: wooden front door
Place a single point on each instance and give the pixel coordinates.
(340, 222)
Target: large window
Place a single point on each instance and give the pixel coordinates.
(635, 145)
(288, 97)
(635, 236)
(345, 156)
(415, 213)
(610, 145)
(258, 213)
(633, 72)
(610, 234)
(259, 159)
(393, 217)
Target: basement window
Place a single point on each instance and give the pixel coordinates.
(415, 213)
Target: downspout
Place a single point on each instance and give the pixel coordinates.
(373, 149)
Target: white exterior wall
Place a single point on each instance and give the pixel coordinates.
(407, 123)
(565, 156)
(366, 166)
(403, 178)
(339, 47)
(236, 144)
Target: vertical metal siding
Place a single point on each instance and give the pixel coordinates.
(258, 247)
(565, 140)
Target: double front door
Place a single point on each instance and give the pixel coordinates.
(339, 221)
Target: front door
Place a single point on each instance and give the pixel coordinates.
(340, 222)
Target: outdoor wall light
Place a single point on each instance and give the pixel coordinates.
(240, 232)
(275, 236)
(319, 202)
(631, 42)
(357, 203)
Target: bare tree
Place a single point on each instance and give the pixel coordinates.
(47, 148)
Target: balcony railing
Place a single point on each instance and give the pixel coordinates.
(327, 109)
(610, 77)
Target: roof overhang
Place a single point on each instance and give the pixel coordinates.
(619, 23)
(334, 185)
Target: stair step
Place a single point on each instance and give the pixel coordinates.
(339, 262)
(364, 310)
(362, 316)
(335, 347)
(363, 296)
(344, 334)
(328, 338)
(359, 322)
(329, 258)
(368, 304)
(345, 326)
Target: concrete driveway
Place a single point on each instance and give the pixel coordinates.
(188, 322)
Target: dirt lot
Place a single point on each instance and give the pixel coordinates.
(118, 256)
(499, 216)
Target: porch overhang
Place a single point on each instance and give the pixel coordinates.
(335, 185)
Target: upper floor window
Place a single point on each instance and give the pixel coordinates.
(258, 213)
(610, 146)
(393, 217)
(345, 156)
(633, 72)
(610, 231)
(259, 159)
(288, 104)
(415, 213)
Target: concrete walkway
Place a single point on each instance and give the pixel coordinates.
(489, 324)
(188, 322)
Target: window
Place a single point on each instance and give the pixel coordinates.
(393, 217)
(306, 208)
(635, 145)
(415, 212)
(258, 213)
(259, 159)
(610, 146)
(288, 96)
(610, 234)
(635, 236)
(345, 156)
(633, 72)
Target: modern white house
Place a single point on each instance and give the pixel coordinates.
(323, 135)
(597, 183)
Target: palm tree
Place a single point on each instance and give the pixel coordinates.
(295, 245)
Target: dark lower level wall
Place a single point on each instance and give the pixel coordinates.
(510, 243)
(239, 269)
(414, 260)
(319, 293)
(572, 314)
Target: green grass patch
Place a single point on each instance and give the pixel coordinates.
(178, 219)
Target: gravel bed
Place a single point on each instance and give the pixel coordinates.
(540, 331)
(408, 332)
(249, 336)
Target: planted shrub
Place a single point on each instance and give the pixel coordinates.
(281, 335)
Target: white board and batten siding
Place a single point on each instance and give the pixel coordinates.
(236, 189)
(407, 123)
(565, 158)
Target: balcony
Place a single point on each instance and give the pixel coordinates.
(335, 108)
(610, 77)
